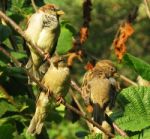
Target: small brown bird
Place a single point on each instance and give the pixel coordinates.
(57, 78)
(43, 30)
(57, 81)
(98, 88)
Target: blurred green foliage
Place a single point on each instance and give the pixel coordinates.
(17, 104)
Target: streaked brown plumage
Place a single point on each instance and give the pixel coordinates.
(98, 88)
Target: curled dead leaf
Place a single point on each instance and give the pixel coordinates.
(125, 31)
(72, 56)
(89, 108)
(84, 33)
(89, 66)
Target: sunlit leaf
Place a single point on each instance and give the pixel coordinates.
(94, 136)
(65, 39)
(5, 106)
(19, 55)
(136, 104)
(10, 119)
(6, 131)
(141, 67)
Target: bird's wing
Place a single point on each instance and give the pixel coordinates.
(55, 42)
(113, 93)
(85, 87)
(34, 27)
(48, 38)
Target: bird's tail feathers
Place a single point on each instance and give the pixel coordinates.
(32, 70)
(38, 119)
(98, 113)
(35, 126)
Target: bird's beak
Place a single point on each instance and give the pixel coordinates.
(60, 12)
(116, 74)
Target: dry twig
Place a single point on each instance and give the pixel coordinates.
(128, 80)
(34, 5)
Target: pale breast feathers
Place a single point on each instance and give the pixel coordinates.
(34, 27)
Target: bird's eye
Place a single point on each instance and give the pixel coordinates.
(52, 9)
(113, 69)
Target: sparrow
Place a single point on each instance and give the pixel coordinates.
(57, 78)
(99, 89)
(57, 81)
(43, 29)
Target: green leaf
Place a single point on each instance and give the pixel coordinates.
(136, 136)
(5, 31)
(141, 67)
(146, 134)
(23, 135)
(94, 136)
(12, 71)
(18, 55)
(10, 119)
(61, 110)
(136, 105)
(56, 2)
(6, 131)
(65, 39)
(5, 106)
(17, 3)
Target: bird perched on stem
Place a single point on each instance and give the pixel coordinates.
(99, 90)
(43, 29)
(57, 81)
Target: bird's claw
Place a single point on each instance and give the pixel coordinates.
(46, 56)
(59, 100)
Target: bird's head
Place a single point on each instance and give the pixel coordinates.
(51, 9)
(107, 66)
(58, 61)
